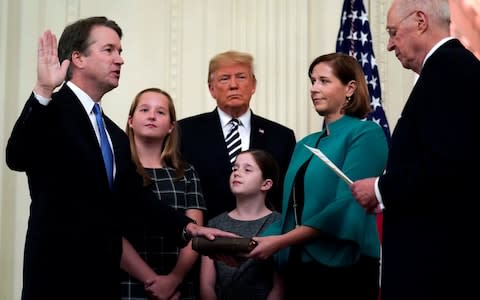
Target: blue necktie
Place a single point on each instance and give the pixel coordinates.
(104, 144)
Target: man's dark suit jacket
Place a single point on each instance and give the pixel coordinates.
(73, 243)
(430, 220)
(203, 145)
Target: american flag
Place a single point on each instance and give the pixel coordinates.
(354, 38)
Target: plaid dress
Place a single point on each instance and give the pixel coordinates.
(159, 252)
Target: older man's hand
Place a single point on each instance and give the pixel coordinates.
(364, 192)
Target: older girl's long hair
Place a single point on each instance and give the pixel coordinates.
(170, 154)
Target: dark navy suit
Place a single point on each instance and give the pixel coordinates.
(430, 221)
(73, 243)
(203, 145)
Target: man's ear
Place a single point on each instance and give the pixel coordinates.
(266, 185)
(211, 88)
(422, 21)
(254, 85)
(76, 58)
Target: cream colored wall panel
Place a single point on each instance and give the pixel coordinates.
(297, 106)
(21, 29)
(324, 23)
(396, 82)
(281, 53)
(263, 50)
(269, 30)
(202, 27)
(7, 265)
(145, 26)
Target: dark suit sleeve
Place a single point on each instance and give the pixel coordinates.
(142, 208)
(26, 131)
(163, 216)
(290, 146)
(280, 142)
(284, 161)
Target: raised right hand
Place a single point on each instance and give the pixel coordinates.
(50, 73)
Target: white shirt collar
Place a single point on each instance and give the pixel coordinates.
(85, 99)
(244, 119)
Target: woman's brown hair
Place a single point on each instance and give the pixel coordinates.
(346, 69)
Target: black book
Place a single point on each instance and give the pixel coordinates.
(223, 245)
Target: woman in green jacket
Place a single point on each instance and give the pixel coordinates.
(326, 243)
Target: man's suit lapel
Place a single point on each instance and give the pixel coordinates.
(257, 133)
(81, 129)
(76, 117)
(110, 126)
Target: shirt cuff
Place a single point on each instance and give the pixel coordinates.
(42, 100)
(186, 236)
(380, 206)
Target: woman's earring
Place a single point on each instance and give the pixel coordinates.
(349, 98)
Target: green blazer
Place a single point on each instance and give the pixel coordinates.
(359, 148)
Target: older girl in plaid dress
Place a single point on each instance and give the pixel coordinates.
(153, 135)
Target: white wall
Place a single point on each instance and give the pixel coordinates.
(167, 44)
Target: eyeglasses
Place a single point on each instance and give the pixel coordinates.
(392, 30)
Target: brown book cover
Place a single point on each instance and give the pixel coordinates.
(223, 245)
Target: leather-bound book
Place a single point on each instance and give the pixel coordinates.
(223, 245)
